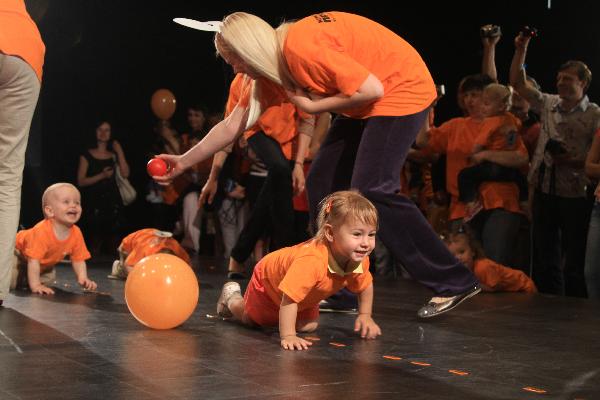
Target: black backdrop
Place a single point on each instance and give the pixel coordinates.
(105, 58)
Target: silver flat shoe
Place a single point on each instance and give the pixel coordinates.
(432, 309)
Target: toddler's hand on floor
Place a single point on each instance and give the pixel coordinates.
(41, 289)
(293, 342)
(367, 327)
(87, 284)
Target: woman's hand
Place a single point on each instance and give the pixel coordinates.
(174, 168)
(298, 180)
(107, 172)
(302, 100)
(208, 192)
(238, 192)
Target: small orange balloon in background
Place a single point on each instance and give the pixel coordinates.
(162, 291)
(163, 103)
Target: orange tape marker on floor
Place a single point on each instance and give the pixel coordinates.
(337, 344)
(422, 364)
(534, 390)
(392, 357)
(457, 372)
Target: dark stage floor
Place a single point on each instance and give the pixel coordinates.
(76, 345)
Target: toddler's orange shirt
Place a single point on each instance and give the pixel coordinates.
(40, 243)
(502, 279)
(304, 274)
(456, 138)
(144, 242)
(499, 132)
(334, 52)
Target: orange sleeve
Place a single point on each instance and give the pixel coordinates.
(33, 243)
(487, 274)
(301, 277)
(501, 278)
(239, 85)
(329, 71)
(79, 251)
(438, 138)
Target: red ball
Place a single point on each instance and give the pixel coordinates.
(157, 167)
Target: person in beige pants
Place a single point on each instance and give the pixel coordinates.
(21, 59)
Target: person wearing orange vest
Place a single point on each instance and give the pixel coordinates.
(21, 59)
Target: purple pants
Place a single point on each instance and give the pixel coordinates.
(368, 155)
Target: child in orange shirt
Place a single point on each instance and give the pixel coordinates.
(492, 276)
(499, 132)
(39, 249)
(288, 284)
(143, 243)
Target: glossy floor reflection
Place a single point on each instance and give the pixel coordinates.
(76, 345)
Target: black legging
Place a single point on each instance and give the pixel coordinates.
(273, 207)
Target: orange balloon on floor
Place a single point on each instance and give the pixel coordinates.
(162, 291)
(163, 103)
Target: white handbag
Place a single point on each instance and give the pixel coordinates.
(128, 193)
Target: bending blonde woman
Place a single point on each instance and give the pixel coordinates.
(381, 89)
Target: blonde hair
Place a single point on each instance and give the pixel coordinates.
(500, 93)
(338, 207)
(51, 189)
(260, 47)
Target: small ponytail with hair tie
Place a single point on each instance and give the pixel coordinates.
(328, 207)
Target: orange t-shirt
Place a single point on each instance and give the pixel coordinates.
(502, 279)
(279, 118)
(499, 132)
(456, 138)
(19, 35)
(40, 243)
(145, 242)
(303, 273)
(334, 52)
